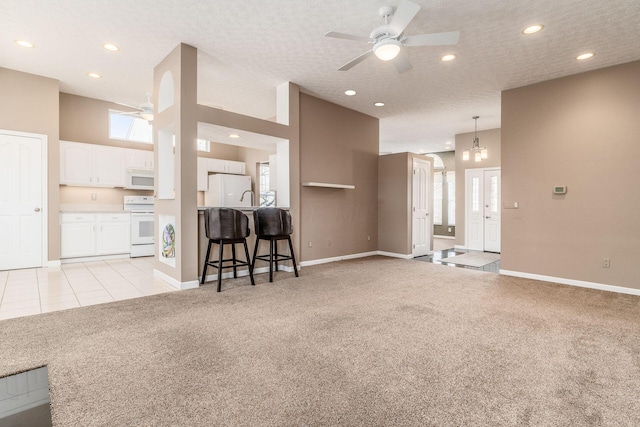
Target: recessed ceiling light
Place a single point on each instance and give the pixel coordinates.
(379, 104)
(587, 55)
(447, 143)
(24, 43)
(234, 135)
(350, 92)
(110, 46)
(448, 57)
(532, 29)
(94, 75)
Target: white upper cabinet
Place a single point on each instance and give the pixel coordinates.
(207, 166)
(76, 163)
(91, 165)
(139, 159)
(234, 167)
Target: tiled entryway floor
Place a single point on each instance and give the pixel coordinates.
(41, 290)
(444, 248)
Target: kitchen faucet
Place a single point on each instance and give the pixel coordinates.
(245, 192)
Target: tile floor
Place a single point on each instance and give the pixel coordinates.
(41, 290)
(444, 248)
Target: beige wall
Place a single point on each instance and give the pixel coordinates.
(337, 145)
(87, 120)
(580, 131)
(491, 139)
(29, 103)
(180, 119)
(395, 202)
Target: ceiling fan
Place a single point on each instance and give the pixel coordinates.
(389, 38)
(145, 110)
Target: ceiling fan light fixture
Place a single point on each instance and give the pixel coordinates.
(448, 57)
(147, 115)
(387, 49)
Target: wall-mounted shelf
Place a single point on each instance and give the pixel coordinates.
(327, 185)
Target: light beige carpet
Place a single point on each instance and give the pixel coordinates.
(374, 341)
(473, 259)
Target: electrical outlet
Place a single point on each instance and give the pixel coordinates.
(94, 196)
(310, 244)
(606, 262)
(330, 243)
(449, 230)
(369, 238)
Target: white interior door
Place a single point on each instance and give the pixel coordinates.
(482, 189)
(22, 201)
(421, 224)
(492, 210)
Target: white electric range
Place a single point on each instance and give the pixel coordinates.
(142, 224)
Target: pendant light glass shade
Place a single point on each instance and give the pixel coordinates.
(478, 153)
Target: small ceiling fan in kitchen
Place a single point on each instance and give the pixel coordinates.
(389, 39)
(144, 110)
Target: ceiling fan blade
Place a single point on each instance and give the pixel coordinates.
(436, 39)
(402, 64)
(405, 12)
(356, 61)
(345, 36)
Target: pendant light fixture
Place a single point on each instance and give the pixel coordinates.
(478, 153)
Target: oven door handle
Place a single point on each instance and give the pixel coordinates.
(141, 213)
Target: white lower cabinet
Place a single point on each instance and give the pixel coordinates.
(89, 234)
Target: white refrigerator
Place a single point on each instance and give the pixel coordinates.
(226, 191)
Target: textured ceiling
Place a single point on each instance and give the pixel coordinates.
(247, 48)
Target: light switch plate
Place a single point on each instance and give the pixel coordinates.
(508, 204)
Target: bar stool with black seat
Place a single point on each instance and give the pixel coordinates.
(225, 226)
(273, 224)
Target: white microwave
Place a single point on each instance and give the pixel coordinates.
(138, 179)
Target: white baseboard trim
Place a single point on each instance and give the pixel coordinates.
(93, 258)
(338, 258)
(444, 237)
(460, 247)
(53, 263)
(572, 282)
(191, 284)
(395, 255)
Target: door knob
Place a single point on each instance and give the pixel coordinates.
(487, 217)
(427, 215)
(36, 209)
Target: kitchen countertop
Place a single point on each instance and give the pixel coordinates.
(91, 208)
(241, 208)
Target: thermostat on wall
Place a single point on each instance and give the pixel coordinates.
(560, 189)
